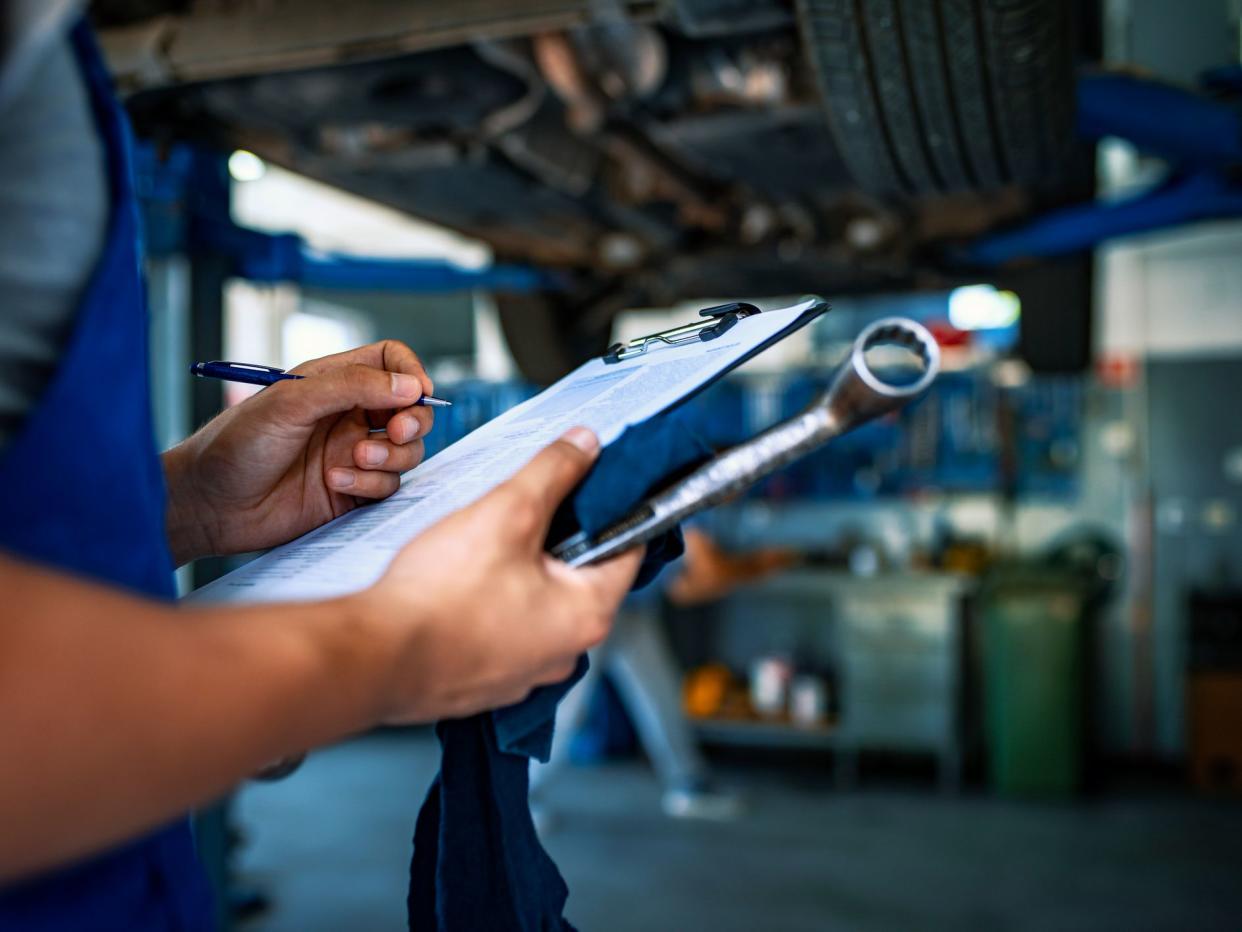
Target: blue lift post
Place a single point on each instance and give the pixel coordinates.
(1200, 136)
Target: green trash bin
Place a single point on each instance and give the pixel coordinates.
(1034, 656)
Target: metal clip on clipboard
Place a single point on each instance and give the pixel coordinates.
(718, 321)
(856, 394)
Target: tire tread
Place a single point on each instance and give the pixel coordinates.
(937, 96)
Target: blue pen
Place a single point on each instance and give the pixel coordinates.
(252, 374)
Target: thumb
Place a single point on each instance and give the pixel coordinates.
(555, 470)
(304, 401)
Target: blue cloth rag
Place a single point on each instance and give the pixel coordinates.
(477, 862)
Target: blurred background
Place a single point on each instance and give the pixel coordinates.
(979, 664)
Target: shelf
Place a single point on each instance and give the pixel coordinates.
(756, 733)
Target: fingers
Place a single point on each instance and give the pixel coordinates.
(362, 483)
(305, 401)
(550, 476)
(610, 581)
(597, 593)
(395, 356)
(406, 425)
(557, 672)
(390, 355)
(381, 454)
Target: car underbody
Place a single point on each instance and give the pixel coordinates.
(644, 152)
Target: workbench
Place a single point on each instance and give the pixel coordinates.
(895, 643)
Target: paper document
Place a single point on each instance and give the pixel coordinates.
(351, 552)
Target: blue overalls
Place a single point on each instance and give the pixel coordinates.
(90, 502)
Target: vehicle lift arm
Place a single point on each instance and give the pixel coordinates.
(1200, 136)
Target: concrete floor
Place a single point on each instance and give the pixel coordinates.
(332, 845)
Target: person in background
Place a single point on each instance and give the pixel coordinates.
(639, 661)
(709, 572)
(119, 710)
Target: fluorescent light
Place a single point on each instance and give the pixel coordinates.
(246, 166)
(983, 307)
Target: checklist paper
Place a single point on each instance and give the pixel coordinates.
(351, 552)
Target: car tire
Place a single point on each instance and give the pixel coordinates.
(549, 335)
(938, 96)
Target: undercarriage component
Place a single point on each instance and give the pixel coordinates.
(628, 59)
(250, 37)
(705, 18)
(782, 153)
(558, 63)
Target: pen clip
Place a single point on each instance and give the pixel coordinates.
(247, 366)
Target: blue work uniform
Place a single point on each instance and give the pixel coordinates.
(90, 501)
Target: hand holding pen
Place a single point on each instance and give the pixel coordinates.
(300, 453)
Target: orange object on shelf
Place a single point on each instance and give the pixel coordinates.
(705, 690)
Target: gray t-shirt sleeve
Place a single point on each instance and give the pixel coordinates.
(53, 221)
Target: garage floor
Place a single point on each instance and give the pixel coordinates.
(332, 843)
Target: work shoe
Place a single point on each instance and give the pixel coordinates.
(702, 801)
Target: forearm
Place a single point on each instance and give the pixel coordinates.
(119, 713)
